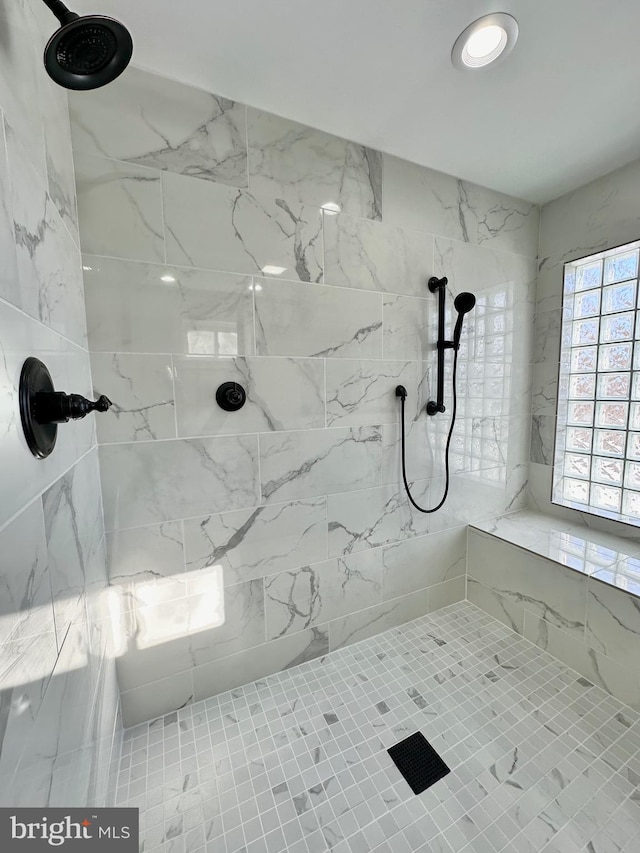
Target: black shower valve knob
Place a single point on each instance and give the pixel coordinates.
(56, 407)
(231, 397)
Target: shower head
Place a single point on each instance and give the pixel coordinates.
(86, 52)
(463, 303)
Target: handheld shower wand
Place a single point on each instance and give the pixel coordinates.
(463, 303)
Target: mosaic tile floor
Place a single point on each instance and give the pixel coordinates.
(541, 759)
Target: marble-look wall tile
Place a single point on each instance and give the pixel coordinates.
(47, 258)
(143, 555)
(146, 308)
(417, 197)
(312, 595)
(26, 607)
(547, 336)
(545, 388)
(421, 439)
(304, 464)
(376, 256)
(598, 668)
(362, 393)
(301, 164)
(365, 623)
(346, 324)
(253, 543)
(361, 520)
(73, 525)
(613, 623)
(408, 327)
(422, 562)
(148, 120)
(505, 609)
(244, 667)
(149, 482)
(9, 283)
(153, 700)
(120, 209)
(141, 390)
(543, 431)
(446, 593)
(554, 593)
(212, 226)
(282, 394)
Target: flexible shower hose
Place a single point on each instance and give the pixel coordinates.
(446, 452)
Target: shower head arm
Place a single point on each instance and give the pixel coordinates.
(64, 15)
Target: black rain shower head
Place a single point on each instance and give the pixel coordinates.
(86, 52)
(463, 303)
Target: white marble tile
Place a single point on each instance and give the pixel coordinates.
(543, 431)
(141, 390)
(312, 595)
(613, 623)
(424, 561)
(545, 389)
(149, 482)
(131, 309)
(120, 209)
(365, 623)
(26, 606)
(417, 197)
(48, 260)
(282, 394)
(421, 439)
(380, 516)
(298, 163)
(9, 283)
(598, 668)
(160, 697)
(216, 227)
(376, 256)
(556, 594)
(304, 464)
(60, 167)
(143, 554)
(250, 544)
(547, 336)
(165, 638)
(363, 393)
(74, 529)
(409, 329)
(149, 120)
(278, 655)
(346, 324)
(500, 607)
(446, 593)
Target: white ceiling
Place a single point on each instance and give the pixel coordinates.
(562, 109)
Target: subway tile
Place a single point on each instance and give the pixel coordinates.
(140, 388)
(282, 394)
(372, 255)
(149, 120)
(317, 462)
(254, 543)
(346, 324)
(299, 164)
(120, 209)
(149, 482)
(216, 227)
(312, 595)
(130, 308)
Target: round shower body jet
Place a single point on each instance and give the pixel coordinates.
(86, 52)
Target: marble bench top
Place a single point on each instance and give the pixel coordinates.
(608, 558)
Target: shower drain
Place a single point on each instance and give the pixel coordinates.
(418, 762)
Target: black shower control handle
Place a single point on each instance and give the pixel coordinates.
(56, 407)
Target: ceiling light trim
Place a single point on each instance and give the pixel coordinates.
(498, 19)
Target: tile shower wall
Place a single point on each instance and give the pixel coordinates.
(600, 215)
(241, 544)
(58, 690)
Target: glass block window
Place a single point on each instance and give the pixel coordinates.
(597, 449)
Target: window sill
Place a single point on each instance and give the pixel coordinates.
(604, 557)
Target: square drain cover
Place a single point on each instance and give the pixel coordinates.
(418, 762)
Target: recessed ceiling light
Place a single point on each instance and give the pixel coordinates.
(269, 269)
(486, 40)
(331, 208)
(167, 278)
